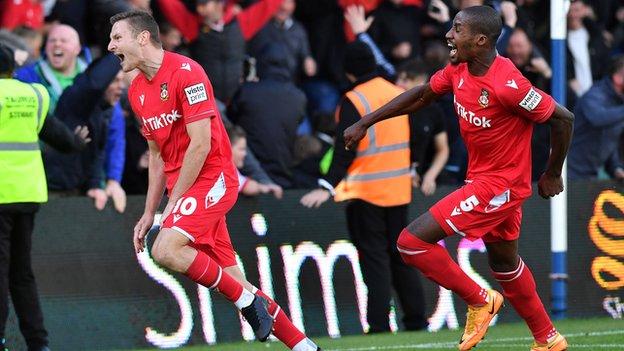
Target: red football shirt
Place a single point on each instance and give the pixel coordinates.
(496, 113)
(181, 93)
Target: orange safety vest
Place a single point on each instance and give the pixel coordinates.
(380, 173)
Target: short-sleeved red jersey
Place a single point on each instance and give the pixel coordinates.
(496, 113)
(181, 93)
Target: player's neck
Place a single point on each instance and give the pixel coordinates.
(152, 62)
(480, 65)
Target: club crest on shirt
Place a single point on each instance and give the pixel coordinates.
(483, 99)
(164, 94)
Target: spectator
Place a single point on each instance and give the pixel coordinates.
(598, 125)
(587, 50)
(285, 29)
(530, 62)
(34, 41)
(57, 70)
(170, 36)
(115, 148)
(22, 190)
(358, 23)
(246, 185)
(375, 179)
(397, 30)
(18, 45)
(313, 153)
(528, 59)
(15, 13)
(217, 37)
(269, 111)
(436, 58)
(83, 102)
(428, 137)
(135, 177)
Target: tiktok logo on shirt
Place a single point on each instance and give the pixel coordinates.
(157, 122)
(470, 116)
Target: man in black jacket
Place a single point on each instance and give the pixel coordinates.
(270, 111)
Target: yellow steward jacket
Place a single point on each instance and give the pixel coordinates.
(380, 173)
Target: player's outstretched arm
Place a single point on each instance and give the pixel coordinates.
(561, 126)
(408, 102)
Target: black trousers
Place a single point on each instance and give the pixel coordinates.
(374, 231)
(16, 275)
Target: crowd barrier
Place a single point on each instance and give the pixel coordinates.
(97, 294)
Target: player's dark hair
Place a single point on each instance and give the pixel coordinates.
(139, 21)
(616, 64)
(413, 69)
(484, 20)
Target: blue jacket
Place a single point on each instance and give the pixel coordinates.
(115, 151)
(598, 124)
(80, 104)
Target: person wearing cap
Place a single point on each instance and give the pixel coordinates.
(23, 111)
(375, 181)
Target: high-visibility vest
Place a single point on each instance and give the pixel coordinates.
(23, 109)
(380, 173)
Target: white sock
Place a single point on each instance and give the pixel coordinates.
(305, 345)
(245, 299)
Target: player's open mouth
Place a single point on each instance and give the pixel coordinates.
(120, 57)
(453, 48)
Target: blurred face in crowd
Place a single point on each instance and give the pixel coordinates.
(211, 11)
(397, 2)
(115, 89)
(436, 55)
(171, 40)
(239, 151)
(126, 45)
(141, 4)
(408, 83)
(62, 48)
(578, 10)
(469, 3)
(286, 10)
(519, 48)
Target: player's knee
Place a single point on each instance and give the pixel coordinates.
(162, 255)
(503, 263)
(409, 245)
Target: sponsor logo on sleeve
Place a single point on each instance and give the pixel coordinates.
(186, 66)
(531, 100)
(196, 93)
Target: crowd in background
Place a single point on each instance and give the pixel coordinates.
(277, 69)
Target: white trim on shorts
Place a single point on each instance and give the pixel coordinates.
(183, 232)
(448, 221)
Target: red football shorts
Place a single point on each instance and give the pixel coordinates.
(200, 216)
(480, 210)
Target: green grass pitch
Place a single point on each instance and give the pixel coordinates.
(600, 334)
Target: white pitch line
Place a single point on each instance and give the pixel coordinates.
(453, 345)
